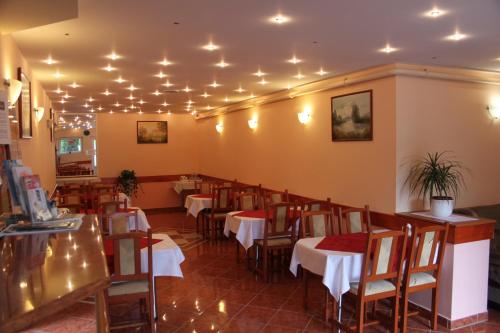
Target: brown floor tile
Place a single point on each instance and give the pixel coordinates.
(295, 320)
(268, 301)
(279, 329)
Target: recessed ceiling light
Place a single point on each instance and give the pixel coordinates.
(189, 102)
(156, 93)
(161, 75)
(169, 113)
(159, 111)
(92, 110)
(100, 108)
(132, 87)
(294, 60)
(110, 111)
(131, 97)
(165, 103)
(388, 49)
(299, 76)
(50, 61)
(321, 72)
(187, 89)
(211, 46)
(140, 112)
(259, 73)
(107, 92)
(240, 90)
(141, 101)
(435, 12)
(120, 79)
(132, 107)
(164, 62)
(226, 99)
(205, 95)
(109, 68)
(86, 105)
(457, 36)
(90, 99)
(125, 110)
(208, 107)
(62, 101)
(117, 104)
(63, 111)
(67, 96)
(113, 56)
(167, 84)
(263, 82)
(58, 75)
(74, 85)
(279, 19)
(222, 64)
(251, 95)
(214, 84)
(58, 91)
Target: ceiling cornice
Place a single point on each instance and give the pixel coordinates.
(373, 73)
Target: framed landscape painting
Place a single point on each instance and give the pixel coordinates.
(152, 132)
(352, 117)
(24, 106)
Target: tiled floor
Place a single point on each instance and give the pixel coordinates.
(219, 295)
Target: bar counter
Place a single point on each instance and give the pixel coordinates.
(43, 274)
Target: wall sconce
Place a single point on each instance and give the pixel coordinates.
(494, 111)
(253, 123)
(305, 116)
(14, 88)
(39, 111)
(219, 127)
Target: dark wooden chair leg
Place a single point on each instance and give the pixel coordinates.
(434, 309)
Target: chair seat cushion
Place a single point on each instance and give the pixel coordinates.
(275, 242)
(417, 279)
(126, 288)
(373, 287)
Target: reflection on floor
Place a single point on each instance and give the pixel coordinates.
(219, 295)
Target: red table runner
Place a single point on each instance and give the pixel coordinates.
(202, 196)
(258, 214)
(143, 242)
(355, 242)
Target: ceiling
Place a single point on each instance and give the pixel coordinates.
(337, 36)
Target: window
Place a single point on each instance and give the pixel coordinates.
(70, 145)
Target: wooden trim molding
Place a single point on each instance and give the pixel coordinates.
(369, 74)
(147, 179)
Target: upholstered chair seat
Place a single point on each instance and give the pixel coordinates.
(418, 279)
(126, 288)
(374, 287)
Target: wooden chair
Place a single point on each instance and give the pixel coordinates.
(246, 201)
(214, 217)
(381, 276)
(204, 187)
(273, 197)
(423, 268)
(279, 235)
(105, 210)
(257, 189)
(118, 223)
(128, 283)
(355, 220)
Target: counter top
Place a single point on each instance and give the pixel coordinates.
(43, 274)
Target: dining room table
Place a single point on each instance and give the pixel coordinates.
(142, 220)
(195, 203)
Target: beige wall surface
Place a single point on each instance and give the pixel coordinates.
(38, 152)
(282, 153)
(117, 146)
(438, 115)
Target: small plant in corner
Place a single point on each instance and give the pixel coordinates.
(127, 183)
(439, 179)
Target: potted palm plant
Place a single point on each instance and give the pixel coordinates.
(439, 179)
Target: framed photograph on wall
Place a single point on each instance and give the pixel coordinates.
(352, 117)
(152, 132)
(24, 106)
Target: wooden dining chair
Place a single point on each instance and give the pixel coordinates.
(423, 269)
(355, 220)
(214, 218)
(381, 276)
(128, 283)
(246, 201)
(279, 233)
(204, 187)
(257, 189)
(105, 210)
(118, 223)
(273, 197)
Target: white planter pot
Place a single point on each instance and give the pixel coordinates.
(442, 207)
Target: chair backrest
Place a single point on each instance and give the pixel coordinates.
(316, 205)
(204, 187)
(427, 246)
(383, 258)
(118, 223)
(222, 199)
(110, 207)
(354, 220)
(103, 197)
(278, 221)
(127, 256)
(318, 223)
(246, 201)
(273, 197)
(72, 199)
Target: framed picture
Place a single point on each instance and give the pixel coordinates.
(152, 132)
(24, 106)
(352, 117)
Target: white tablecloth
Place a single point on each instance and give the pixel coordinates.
(337, 268)
(167, 257)
(182, 185)
(122, 197)
(195, 205)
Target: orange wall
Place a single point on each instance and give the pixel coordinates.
(117, 149)
(38, 152)
(282, 153)
(438, 115)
